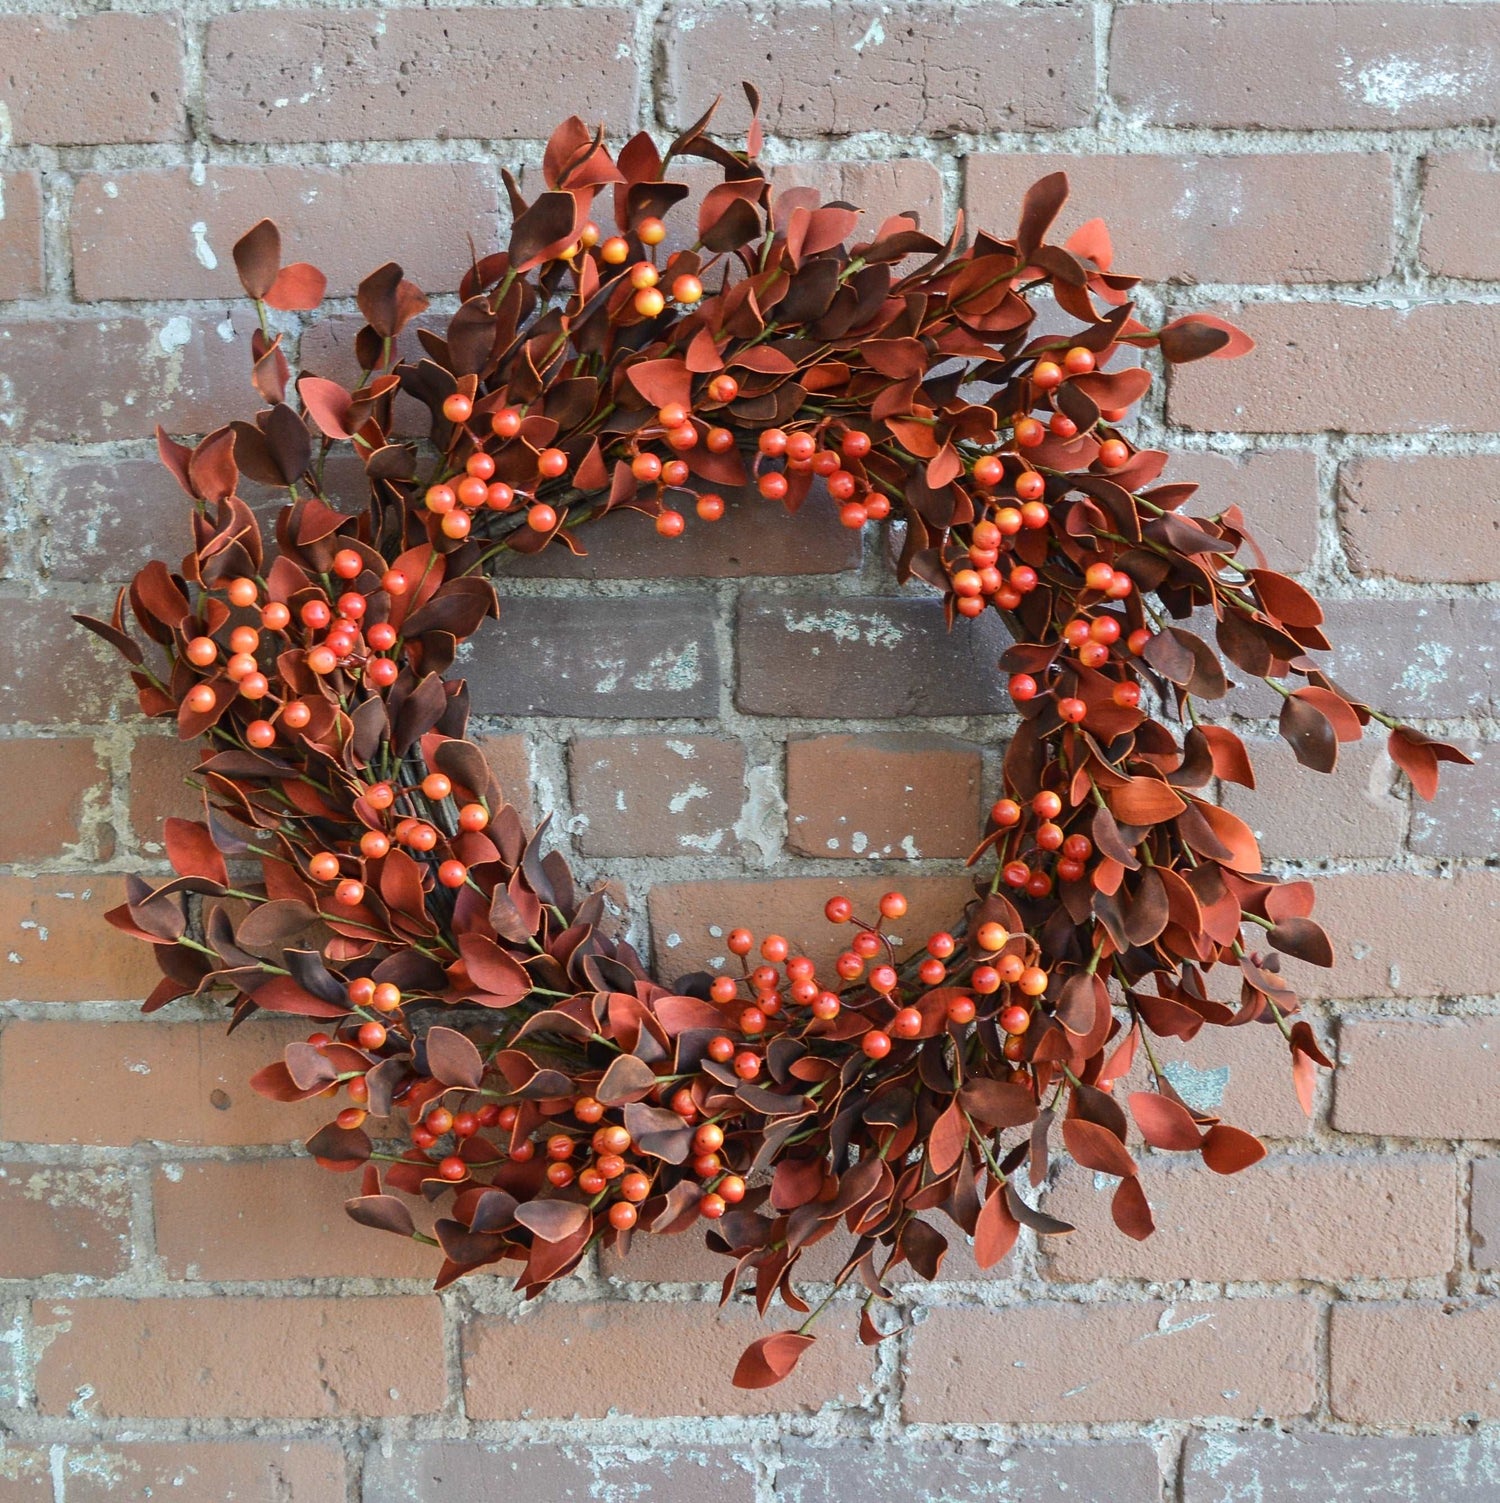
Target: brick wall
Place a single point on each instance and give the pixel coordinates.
(732, 722)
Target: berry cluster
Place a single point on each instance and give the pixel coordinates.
(494, 1047)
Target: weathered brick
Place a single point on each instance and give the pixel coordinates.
(25, 1472)
(1032, 1472)
(59, 949)
(753, 537)
(894, 795)
(1277, 489)
(927, 70)
(58, 775)
(158, 767)
(1316, 217)
(1423, 518)
(272, 1219)
(81, 380)
(1421, 657)
(95, 78)
(233, 1358)
(330, 75)
(1397, 934)
(1416, 1363)
(168, 232)
(1418, 1077)
(1259, 1465)
(1322, 66)
(1298, 814)
(147, 1082)
(1340, 367)
(1484, 1213)
(646, 1359)
(657, 795)
(510, 760)
(831, 655)
(205, 1471)
(1460, 215)
(1240, 1074)
(107, 518)
(653, 655)
(690, 919)
(1319, 1217)
(1083, 1364)
(20, 235)
(58, 673)
(56, 1220)
(466, 1472)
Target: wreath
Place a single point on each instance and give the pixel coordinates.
(497, 1049)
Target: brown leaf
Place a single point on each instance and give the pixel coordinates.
(997, 1230)
(1227, 1150)
(453, 1059)
(1309, 733)
(502, 978)
(947, 1139)
(257, 257)
(1144, 801)
(1164, 1123)
(1131, 1210)
(192, 852)
(1096, 1147)
(553, 1220)
(1304, 939)
(766, 1362)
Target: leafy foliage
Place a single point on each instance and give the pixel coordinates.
(357, 864)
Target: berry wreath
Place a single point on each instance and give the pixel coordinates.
(526, 1076)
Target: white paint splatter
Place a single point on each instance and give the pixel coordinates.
(1395, 83)
(874, 628)
(201, 247)
(679, 801)
(175, 333)
(873, 37)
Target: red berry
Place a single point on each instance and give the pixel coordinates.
(907, 1023)
(1030, 486)
(552, 463)
(876, 1044)
(350, 893)
(1113, 454)
(506, 423)
(457, 408)
(371, 1035)
(1029, 433)
(893, 905)
(453, 874)
(988, 472)
(772, 485)
(1022, 687)
(710, 506)
(1006, 812)
(838, 910)
(541, 517)
(961, 1010)
(670, 524)
(883, 978)
(855, 445)
(1072, 710)
(1078, 361)
(1015, 1018)
(1047, 374)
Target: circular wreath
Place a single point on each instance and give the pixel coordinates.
(523, 1071)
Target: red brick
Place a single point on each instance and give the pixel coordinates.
(510, 760)
(1416, 1363)
(927, 70)
(1418, 1077)
(1422, 518)
(1298, 814)
(903, 1471)
(228, 1358)
(1464, 818)
(1315, 217)
(56, 1220)
(657, 795)
(20, 235)
(1318, 66)
(1461, 215)
(108, 518)
(94, 79)
(895, 795)
(206, 1471)
(272, 1219)
(159, 766)
(1484, 1213)
(1260, 1465)
(1434, 658)
(58, 673)
(453, 1471)
(862, 656)
(96, 380)
(653, 655)
(1086, 1364)
(160, 232)
(329, 75)
(147, 1082)
(751, 538)
(26, 1475)
(1326, 1217)
(1398, 934)
(58, 948)
(60, 778)
(690, 919)
(1340, 367)
(647, 1360)
(1240, 1074)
